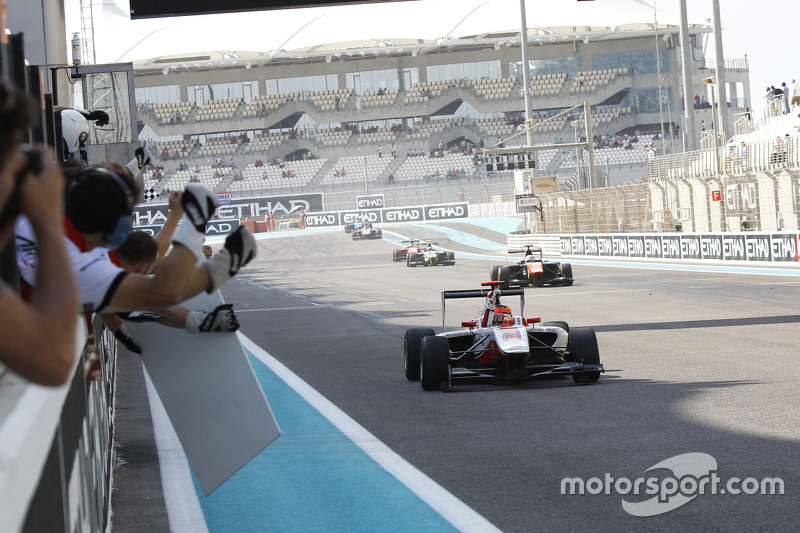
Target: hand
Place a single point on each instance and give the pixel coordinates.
(143, 157)
(221, 319)
(240, 249)
(100, 117)
(198, 205)
(42, 195)
(207, 251)
(175, 202)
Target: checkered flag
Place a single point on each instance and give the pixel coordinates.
(151, 194)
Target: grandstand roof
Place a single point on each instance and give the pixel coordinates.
(422, 26)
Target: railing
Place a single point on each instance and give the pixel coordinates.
(762, 201)
(776, 107)
(770, 155)
(743, 123)
(733, 65)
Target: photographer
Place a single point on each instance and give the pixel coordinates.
(39, 336)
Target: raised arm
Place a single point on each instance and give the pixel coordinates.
(39, 341)
(179, 276)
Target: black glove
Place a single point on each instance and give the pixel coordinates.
(240, 249)
(143, 157)
(198, 205)
(125, 338)
(100, 117)
(222, 320)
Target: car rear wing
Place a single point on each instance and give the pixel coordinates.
(523, 250)
(517, 251)
(483, 292)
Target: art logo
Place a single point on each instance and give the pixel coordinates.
(691, 475)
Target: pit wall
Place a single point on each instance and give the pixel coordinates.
(56, 447)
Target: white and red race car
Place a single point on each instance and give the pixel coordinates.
(499, 346)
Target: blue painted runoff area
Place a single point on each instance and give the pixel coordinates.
(499, 224)
(313, 478)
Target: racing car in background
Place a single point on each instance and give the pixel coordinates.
(499, 346)
(350, 226)
(410, 245)
(366, 231)
(430, 255)
(532, 270)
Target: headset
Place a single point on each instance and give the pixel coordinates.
(116, 230)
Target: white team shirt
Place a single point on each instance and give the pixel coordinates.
(97, 277)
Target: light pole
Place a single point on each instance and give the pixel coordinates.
(711, 81)
(574, 124)
(366, 190)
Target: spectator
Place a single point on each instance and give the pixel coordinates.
(785, 91)
(39, 336)
(795, 93)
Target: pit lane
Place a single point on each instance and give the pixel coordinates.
(700, 362)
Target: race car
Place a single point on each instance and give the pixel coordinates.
(366, 231)
(532, 270)
(411, 245)
(356, 224)
(430, 255)
(498, 346)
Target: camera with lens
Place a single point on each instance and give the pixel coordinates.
(33, 164)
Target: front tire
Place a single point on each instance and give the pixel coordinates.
(493, 273)
(583, 349)
(397, 255)
(411, 351)
(435, 362)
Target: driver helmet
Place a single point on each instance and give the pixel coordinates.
(502, 317)
(74, 130)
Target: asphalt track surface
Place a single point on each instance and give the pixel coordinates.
(702, 362)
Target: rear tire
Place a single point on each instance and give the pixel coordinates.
(558, 324)
(493, 273)
(583, 349)
(504, 276)
(411, 347)
(451, 258)
(435, 362)
(397, 255)
(566, 271)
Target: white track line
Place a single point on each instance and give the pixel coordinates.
(183, 507)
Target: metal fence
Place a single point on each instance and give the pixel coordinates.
(765, 200)
(770, 155)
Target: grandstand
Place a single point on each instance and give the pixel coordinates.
(468, 93)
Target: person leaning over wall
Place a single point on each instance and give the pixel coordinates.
(38, 339)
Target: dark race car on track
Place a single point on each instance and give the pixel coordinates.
(366, 231)
(411, 245)
(430, 255)
(532, 270)
(499, 346)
